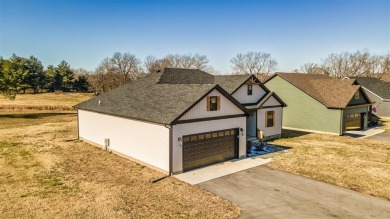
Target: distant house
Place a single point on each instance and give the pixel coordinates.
(176, 120)
(379, 92)
(319, 103)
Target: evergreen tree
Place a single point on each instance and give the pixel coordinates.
(35, 78)
(81, 84)
(51, 79)
(65, 76)
(13, 73)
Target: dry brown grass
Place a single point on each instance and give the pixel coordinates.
(46, 173)
(358, 164)
(43, 101)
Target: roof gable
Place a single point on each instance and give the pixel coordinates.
(376, 86)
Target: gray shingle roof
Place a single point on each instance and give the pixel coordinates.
(380, 88)
(160, 97)
(230, 82)
(144, 99)
(331, 92)
(185, 76)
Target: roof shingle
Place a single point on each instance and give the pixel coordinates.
(379, 87)
(331, 92)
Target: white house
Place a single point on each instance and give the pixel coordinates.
(176, 120)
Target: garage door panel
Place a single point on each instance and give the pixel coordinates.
(208, 148)
(354, 121)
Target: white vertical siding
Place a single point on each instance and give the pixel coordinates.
(143, 141)
(200, 109)
(277, 128)
(200, 127)
(271, 102)
(242, 94)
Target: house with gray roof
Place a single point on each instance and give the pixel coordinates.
(177, 120)
(379, 93)
(319, 103)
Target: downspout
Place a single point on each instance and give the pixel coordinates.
(78, 125)
(341, 122)
(170, 156)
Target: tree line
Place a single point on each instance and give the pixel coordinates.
(18, 74)
(351, 64)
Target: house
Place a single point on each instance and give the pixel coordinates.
(379, 93)
(176, 120)
(319, 103)
(265, 107)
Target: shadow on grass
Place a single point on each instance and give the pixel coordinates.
(31, 115)
(286, 133)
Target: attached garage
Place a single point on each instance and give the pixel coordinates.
(174, 121)
(208, 148)
(354, 121)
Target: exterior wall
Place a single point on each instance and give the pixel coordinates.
(242, 94)
(384, 106)
(200, 109)
(361, 100)
(274, 130)
(146, 142)
(201, 127)
(384, 109)
(271, 102)
(251, 124)
(303, 111)
(353, 110)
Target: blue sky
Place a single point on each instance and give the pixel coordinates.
(294, 32)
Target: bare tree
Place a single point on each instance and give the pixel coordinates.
(312, 68)
(152, 64)
(125, 64)
(254, 63)
(347, 64)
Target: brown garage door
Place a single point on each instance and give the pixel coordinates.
(354, 121)
(209, 148)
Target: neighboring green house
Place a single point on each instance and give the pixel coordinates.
(319, 103)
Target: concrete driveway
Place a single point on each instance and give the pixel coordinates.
(384, 136)
(262, 192)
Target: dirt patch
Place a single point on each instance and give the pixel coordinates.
(46, 173)
(358, 164)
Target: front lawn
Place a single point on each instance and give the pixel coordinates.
(358, 164)
(45, 172)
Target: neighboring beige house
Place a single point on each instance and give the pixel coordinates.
(176, 120)
(319, 103)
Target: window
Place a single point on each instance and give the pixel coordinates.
(357, 95)
(249, 89)
(269, 118)
(213, 103)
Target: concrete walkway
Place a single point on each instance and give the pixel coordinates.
(262, 192)
(365, 133)
(221, 169)
(384, 137)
